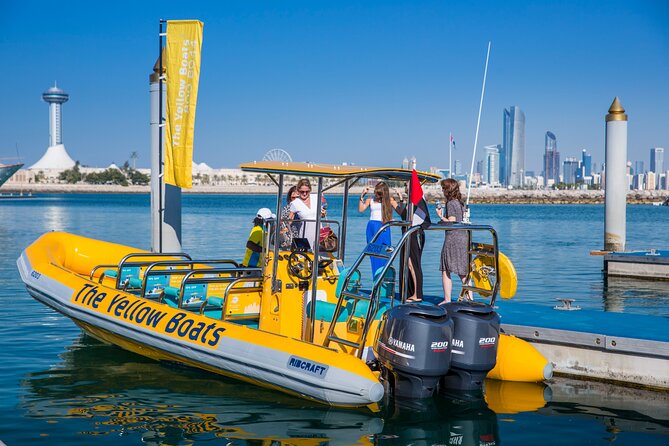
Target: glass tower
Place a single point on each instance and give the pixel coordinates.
(657, 160)
(492, 164)
(551, 159)
(586, 161)
(512, 155)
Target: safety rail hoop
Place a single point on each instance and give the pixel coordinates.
(231, 286)
(115, 267)
(189, 279)
(150, 272)
(102, 276)
(374, 296)
(185, 272)
(125, 259)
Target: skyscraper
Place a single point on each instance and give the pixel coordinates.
(551, 159)
(586, 163)
(512, 155)
(638, 167)
(570, 166)
(657, 160)
(492, 164)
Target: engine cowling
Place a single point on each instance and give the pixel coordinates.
(474, 345)
(413, 347)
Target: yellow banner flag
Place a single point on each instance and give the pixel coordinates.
(182, 70)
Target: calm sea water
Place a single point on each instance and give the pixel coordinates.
(58, 386)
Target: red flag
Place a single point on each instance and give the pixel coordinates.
(416, 189)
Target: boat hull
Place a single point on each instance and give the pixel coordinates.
(161, 332)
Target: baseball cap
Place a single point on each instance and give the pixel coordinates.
(265, 213)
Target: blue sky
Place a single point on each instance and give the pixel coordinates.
(365, 82)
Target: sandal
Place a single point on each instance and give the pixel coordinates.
(413, 300)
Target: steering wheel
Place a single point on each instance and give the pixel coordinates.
(300, 265)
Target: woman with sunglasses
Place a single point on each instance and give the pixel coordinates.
(305, 207)
(381, 207)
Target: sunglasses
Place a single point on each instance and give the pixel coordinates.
(304, 191)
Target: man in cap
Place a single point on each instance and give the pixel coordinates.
(252, 257)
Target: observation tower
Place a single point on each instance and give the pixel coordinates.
(56, 156)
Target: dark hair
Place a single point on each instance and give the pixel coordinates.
(381, 189)
(257, 221)
(451, 190)
(290, 194)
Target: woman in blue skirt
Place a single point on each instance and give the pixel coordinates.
(381, 207)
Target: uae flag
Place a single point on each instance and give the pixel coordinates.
(421, 215)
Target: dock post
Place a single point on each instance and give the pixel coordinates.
(615, 192)
(165, 198)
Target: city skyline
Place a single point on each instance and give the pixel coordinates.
(341, 82)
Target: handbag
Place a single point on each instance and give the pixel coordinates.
(327, 240)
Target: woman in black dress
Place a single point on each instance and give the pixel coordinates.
(454, 257)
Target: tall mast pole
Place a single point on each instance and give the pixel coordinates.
(450, 155)
(476, 138)
(161, 124)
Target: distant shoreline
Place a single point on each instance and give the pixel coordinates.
(432, 193)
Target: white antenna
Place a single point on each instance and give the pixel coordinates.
(465, 218)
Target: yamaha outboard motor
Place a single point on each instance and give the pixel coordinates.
(414, 349)
(473, 347)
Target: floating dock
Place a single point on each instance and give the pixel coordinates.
(627, 348)
(652, 264)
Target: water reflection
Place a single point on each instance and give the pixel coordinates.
(100, 390)
(619, 409)
(439, 421)
(55, 218)
(630, 295)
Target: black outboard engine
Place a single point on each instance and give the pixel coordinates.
(413, 346)
(474, 345)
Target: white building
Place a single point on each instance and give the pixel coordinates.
(56, 157)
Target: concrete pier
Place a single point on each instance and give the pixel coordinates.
(653, 264)
(627, 348)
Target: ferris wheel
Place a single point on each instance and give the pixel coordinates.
(277, 155)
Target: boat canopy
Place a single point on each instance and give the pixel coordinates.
(335, 171)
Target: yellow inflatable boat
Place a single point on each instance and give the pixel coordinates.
(307, 328)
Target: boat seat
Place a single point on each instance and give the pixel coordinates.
(363, 305)
(134, 283)
(355, 278)
(171, 291)
(326, 310)
(171, 298)
(387, 288)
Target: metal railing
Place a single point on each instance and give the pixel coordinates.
(390, 253)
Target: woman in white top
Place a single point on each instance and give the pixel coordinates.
(306, 207)
(381, 207)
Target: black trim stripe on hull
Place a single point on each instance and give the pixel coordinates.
(57, 305)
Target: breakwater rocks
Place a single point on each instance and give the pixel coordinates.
(505, 196)
(432, 193)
